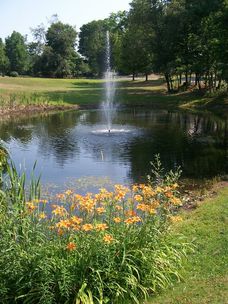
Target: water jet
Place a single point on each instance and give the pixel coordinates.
(108, 105)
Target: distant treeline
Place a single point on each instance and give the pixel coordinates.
(185, 40)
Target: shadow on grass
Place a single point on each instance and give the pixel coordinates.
(88, 84)
(75, 97)
(140, 83)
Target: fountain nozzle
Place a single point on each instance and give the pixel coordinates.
(109, 131)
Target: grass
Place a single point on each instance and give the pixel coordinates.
(90, 92)
(206, 276)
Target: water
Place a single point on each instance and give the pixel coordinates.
(108, 105)
(75, 145)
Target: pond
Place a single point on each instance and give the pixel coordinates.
(72, 145)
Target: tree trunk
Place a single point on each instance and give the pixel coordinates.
(219, 83)
(180, 79)
(171, 83)
(206, 80)
(199, 82)
(215, 81)
(133, 76)
(186, 78)
(210, 82)
(167, 82)
(196, 78)
(146, 77)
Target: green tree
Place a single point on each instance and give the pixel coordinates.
(59, 54)
(136, 43)
(117, 25)
(204, 42)
(92, 44)
(179, 37)
(135, 57)
(61, 38)
(16, 51)
(4, 62)
(39, 36)
(92, 41)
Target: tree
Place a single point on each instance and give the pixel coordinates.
(92, 41)
(39, 36)
(178, 37)
(92, 44)
(202, 48)
(61, 38)
(136, 44)
(135, 57)
(59, 54)
(117, 25)
(16, 52)
(4, 62)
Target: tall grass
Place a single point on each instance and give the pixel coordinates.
(9, 100)
(108, 247)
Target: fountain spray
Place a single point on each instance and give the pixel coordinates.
(108, 105)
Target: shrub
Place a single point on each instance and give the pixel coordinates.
(109, 247)
(13, 74)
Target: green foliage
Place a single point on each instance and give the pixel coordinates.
(87, 250)
(184, 40)
(4, 62)
(136, 53)
(61, 38)
(135, 57)
(16, 52)
(178, 38)
(92, 44)
(159, 176)
(57, 59)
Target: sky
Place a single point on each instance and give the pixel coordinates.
(21, 15)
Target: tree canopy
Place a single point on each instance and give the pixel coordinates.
(4, 61)
(16, 51)
(185, 40)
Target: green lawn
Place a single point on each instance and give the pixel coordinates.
(91, 92)
(206, 275)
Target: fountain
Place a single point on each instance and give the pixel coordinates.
(108, 105)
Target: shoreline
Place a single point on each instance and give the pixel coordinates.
(34, 95)
(41, 109)
(34, 109)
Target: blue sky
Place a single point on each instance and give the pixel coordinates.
(21, 15)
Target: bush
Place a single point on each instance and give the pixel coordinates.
(109, 247)
(13, 74)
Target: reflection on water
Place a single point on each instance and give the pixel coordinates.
(76, 144)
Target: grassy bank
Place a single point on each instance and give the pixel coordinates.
(89, 93)
(206, 276)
